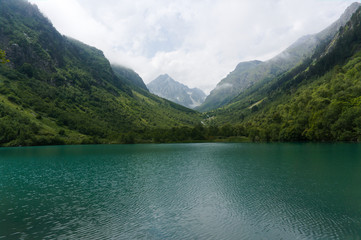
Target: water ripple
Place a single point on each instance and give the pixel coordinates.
(184, 191)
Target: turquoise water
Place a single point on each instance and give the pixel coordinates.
(181, 191)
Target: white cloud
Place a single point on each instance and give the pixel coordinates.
(196, 42)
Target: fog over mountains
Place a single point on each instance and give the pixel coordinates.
(166, 87)
(58, 90)
(196, 42)
(247, 74)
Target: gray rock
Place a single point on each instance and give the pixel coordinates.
(166, 87)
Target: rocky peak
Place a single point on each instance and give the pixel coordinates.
(168, 88)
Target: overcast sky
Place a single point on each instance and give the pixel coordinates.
(197, 42)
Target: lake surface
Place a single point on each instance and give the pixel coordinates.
(181, 191)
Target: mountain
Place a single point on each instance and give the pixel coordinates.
(250, 73)
(166, 87)
(129, 76)
(57, 90)
(318, 100)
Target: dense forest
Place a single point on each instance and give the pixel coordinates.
(319, 100)
(57, 90)
(248, 74)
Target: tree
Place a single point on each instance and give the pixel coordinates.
(3, 57)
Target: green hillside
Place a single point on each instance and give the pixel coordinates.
(129, 76)
(248, 74)
(319, 100)
(58, 90)
(229, 87)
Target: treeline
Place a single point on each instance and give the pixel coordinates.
(327, 109)
(319, 100)
(39, 112)
(198, 133)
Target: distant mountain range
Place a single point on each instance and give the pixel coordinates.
(248, 74)
(57, 90)
(166, 87)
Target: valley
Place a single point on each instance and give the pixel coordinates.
(58, 90)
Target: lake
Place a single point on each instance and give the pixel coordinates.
(181, 191)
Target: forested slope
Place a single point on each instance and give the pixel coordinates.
(58, 90)
(248, 74)
(319, 100)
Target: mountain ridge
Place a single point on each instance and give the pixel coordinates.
(168, 88)
(238, 81)
(58, 90)
(129, 76)
(319, 100)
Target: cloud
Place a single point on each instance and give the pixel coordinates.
(196, 42)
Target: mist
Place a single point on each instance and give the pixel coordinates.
(197, 43)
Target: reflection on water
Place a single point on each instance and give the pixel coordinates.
(181, 191)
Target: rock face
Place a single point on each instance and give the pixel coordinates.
(166, 87)
(248, 74)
